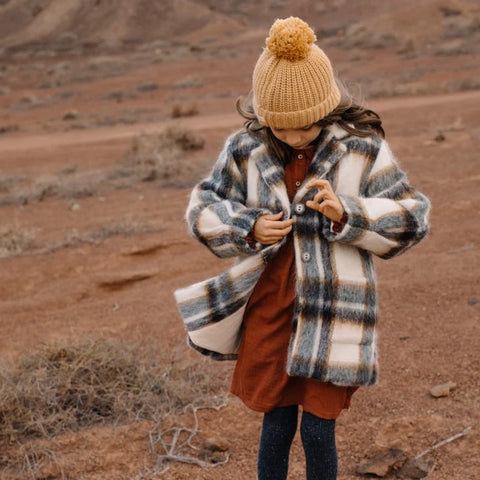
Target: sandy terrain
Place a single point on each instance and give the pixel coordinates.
(105, 262)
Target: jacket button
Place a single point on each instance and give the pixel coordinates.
(306, 257)
(299, 208)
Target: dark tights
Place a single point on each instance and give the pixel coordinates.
(318, 439)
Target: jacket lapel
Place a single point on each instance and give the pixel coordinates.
(274, 176)
(329, 152)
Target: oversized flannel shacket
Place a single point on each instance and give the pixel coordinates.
(334, 337)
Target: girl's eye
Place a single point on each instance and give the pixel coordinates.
(307, 128)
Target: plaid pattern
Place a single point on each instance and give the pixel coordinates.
(334, 335)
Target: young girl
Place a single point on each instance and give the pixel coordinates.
(302, 197)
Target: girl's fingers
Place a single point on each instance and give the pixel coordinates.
(278, 232)
(320, 196)
(320, 184)
(272, 216)
(313, 205)
(280, 225)
(326, 204)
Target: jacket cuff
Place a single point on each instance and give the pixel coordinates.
(242, 230)
(337, 227)
(355, 224)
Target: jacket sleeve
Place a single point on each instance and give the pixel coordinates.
(217, 215)
(391, 216)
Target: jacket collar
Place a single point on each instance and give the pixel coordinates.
(329, 150)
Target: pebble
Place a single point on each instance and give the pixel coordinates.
(216, 444)
(442, 390)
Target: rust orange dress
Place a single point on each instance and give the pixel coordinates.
(260, 379)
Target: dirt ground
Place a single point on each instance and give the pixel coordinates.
(106, 263)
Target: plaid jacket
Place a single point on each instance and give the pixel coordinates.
(334, 336)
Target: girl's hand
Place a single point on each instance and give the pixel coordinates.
(325, 201)
(270, 229)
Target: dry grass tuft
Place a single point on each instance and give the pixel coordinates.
(66, 387)
(15, 240)
(181, 110)
(158, 156)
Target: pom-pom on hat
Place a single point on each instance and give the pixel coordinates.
(293, 81)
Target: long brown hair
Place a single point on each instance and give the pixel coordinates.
(351, 116)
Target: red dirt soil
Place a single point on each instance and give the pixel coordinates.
(429, 310)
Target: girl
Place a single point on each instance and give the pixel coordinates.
(302, 197)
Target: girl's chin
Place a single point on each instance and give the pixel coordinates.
(299, 147)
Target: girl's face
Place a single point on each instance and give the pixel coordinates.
(297, 138)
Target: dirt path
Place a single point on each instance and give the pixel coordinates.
(22, 142)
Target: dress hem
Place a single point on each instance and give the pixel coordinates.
(261, 408)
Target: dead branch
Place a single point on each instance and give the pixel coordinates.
(172, 448)
(444, 442)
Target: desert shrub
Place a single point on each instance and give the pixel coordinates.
(460, 26)
(462, 85)
(68, 386)
(148, 87)
(188, 82)
(7, 182)
(358, 36)
(179, 110)
(454, 47)
(127, 226)
(15, 240)
(184, 138)
(160, 155)
(9, 128)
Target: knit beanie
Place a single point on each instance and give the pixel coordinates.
(293, 81)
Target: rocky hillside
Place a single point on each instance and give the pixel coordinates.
(84, 24)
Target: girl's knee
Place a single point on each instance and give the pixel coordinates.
(317, 430)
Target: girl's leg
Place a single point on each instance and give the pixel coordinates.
(318, 439)
(278, 430)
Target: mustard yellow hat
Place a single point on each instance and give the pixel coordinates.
(293, 81)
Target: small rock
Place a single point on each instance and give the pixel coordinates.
(473, 301)
(74, 207)
(440, 137)
(216, 444)
(457, 126)
(442, 390)
(415, 468)
(382, 462)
